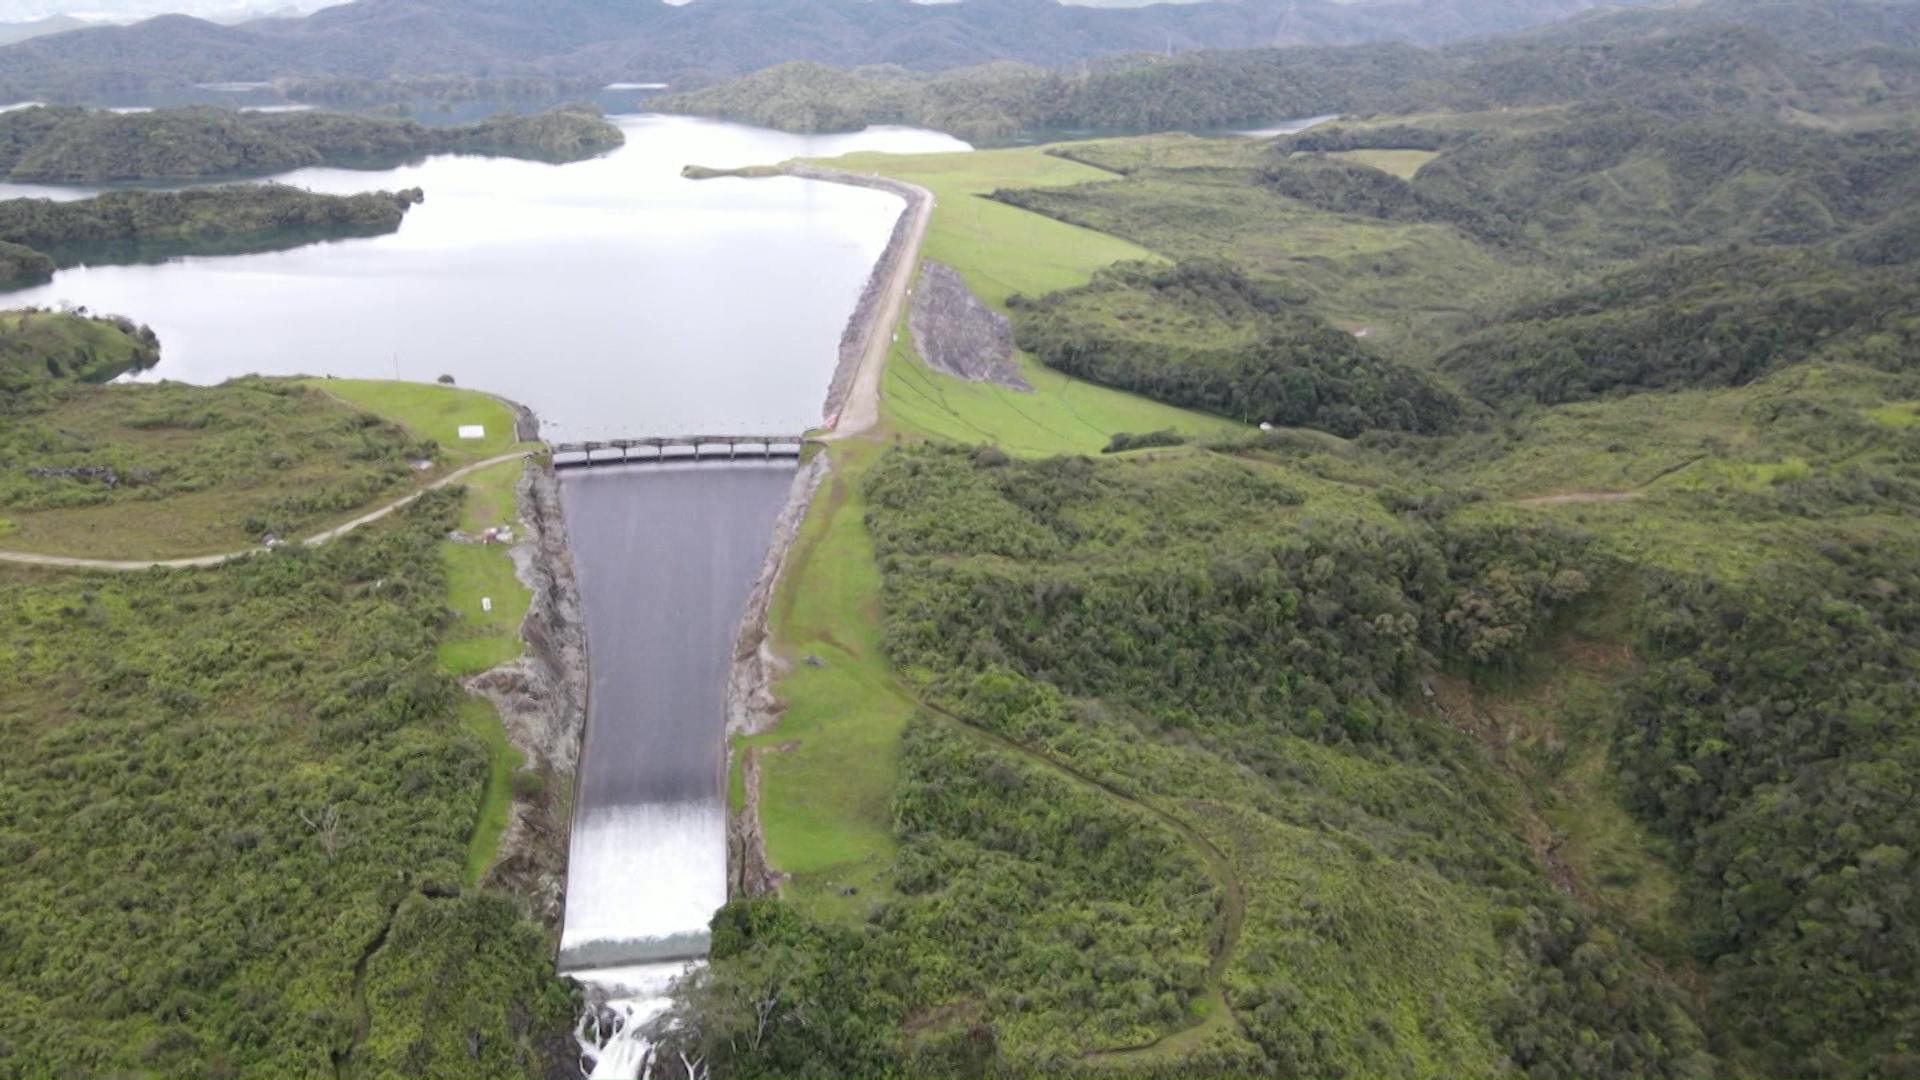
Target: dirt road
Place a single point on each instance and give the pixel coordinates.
(36, 559)
(862, 407)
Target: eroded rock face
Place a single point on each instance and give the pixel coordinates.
(751, 706)
(542, 701)
(748, 873)
(955, 332)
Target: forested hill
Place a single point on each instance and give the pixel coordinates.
(63, 144)
(703, 40)
(1811, 24)
(36, 235)
(1675, 67)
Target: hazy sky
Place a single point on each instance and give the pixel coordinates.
(132, 10)
(230, 10)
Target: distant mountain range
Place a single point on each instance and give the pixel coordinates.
(643, 40)
(11, 32)
(1852, 61)
(34, 18)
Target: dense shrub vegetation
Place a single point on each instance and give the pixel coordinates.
(64, 144)
(1213, 340)
(247, 458)
(19, 263)
(1625, 182)
(1679, 69)
(1775, 736)
(236, 809)
(1341, 187)
(1720, 319)
(1247, 649)
(581, 45)
(1140, 93)
(1123, 441)
(1199, 640)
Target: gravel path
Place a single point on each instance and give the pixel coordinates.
(1578, 497)
(858, 405)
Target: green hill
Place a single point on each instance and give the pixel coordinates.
(60, 144)
(136, 225)
(1202, 336)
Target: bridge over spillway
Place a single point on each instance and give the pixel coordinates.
(676, 448)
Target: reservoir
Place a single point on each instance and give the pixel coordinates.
(612, 296)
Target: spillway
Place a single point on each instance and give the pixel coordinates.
(666, 556)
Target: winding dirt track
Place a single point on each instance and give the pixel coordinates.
(36, 559)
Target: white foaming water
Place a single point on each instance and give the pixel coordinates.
(653, 871)
(634, 995)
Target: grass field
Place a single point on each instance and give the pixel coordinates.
(432, 411)
(1400, 163)
(483, 639)
(1001, 249)
(827, 770)
(197, 470)
(1897, 414)
(1404, 281)
(478, 718)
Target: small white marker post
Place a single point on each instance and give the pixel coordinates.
(486, 603)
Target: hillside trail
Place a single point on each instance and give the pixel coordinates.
(1637, 491)
(1578, 497)
(31, 558)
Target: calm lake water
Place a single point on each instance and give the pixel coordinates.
(611, 296)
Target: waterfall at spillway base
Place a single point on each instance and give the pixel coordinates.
(613, 1045)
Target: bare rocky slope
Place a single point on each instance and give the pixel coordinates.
(956, 333)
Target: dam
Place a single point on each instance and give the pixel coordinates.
(666, 555)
